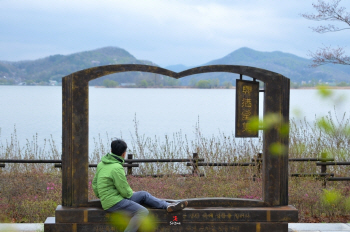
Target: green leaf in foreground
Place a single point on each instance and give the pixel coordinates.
(324, 91)
(254, 124)
(270, 121)
(331, 197)
(325, 125)
(120, 221)
(284, 130)
(326, 154)
(277, 149)
(149, 224)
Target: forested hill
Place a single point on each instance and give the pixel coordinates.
(296, 68)
(57, 66)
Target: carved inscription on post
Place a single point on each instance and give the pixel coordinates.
(247, 106)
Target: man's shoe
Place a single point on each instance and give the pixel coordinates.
(176, 206)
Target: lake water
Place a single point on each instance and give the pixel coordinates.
(37, 110)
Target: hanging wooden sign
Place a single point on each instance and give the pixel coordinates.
(247, 106)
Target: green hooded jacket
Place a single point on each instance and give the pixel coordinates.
(110, 184)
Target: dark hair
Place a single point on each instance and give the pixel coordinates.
(118, 147)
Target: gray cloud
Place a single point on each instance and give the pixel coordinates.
(166, 32)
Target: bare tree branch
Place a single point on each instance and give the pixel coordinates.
(328, 28)
(328, 55)
(329, 11)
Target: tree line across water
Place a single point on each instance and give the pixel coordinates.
(170, 82)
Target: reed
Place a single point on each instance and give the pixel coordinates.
(31, 192)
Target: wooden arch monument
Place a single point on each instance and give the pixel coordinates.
(77, 213)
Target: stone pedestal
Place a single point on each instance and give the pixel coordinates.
(238, 219)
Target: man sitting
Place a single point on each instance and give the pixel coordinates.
(111, 186)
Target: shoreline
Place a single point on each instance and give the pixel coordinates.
(188, 87)
(178, 87)
(326, 87)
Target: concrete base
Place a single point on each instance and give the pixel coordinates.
(163, 227)
(257, 219)
(292, 227)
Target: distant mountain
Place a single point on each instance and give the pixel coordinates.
(296, 68)
(57, 66)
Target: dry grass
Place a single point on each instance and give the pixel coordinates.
(31, 192)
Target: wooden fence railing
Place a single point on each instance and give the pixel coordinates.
(323, 162)
(197, 162)
(193, 162)
(129, 163)
(58, 163)
(324, 170)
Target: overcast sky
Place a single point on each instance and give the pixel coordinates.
(167, 32)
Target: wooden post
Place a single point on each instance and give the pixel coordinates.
(259, 161)
(275, 167)
(195, 170)
(323, 168)
(75, 141)
(324, 171)
(130, 168)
